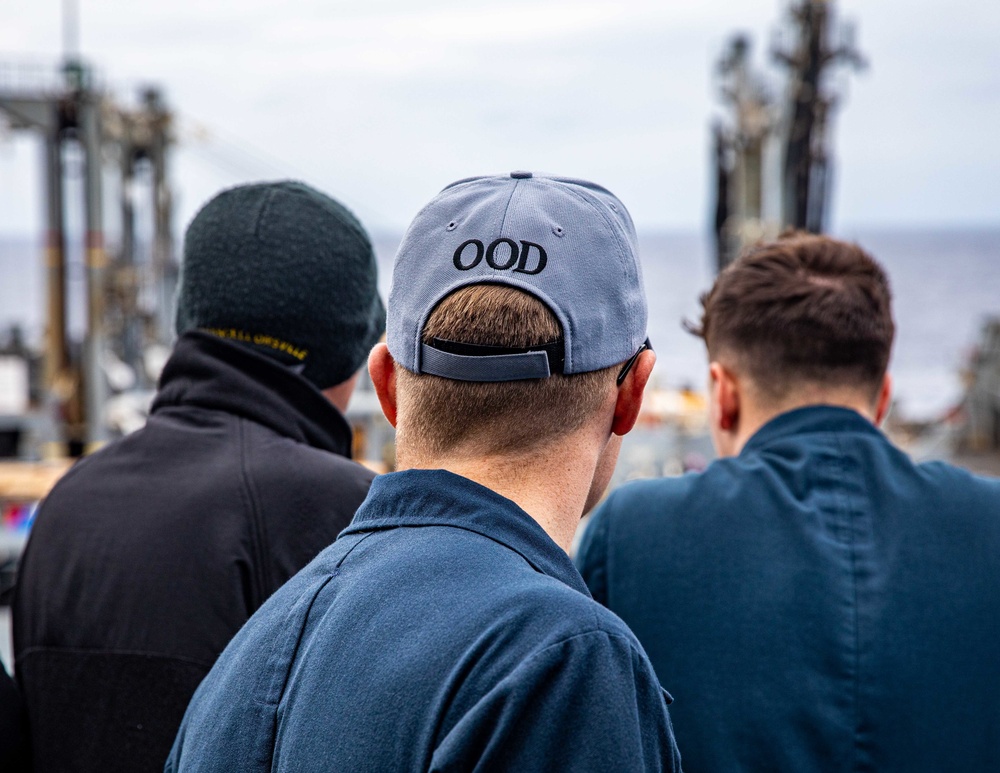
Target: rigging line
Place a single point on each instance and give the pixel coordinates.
(221, 164)
(202, 134)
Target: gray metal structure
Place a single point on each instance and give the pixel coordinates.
(982, 398)
(68, 108)
(773, 154)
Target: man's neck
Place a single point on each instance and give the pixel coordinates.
(550, 484)
(340, 394)
(754, 417)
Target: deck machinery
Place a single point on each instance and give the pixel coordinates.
(772, 146)
(126, 287)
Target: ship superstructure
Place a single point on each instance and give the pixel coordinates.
(121, 149)
(773, 143)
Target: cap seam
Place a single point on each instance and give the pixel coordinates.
(611, 224)
(623, 253)
(506, 210)
(264, 206)
(568, 330)
(609, 221)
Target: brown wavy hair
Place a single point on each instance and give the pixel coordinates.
(801, 309)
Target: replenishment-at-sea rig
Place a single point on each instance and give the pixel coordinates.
(127, 286)
(773, 143)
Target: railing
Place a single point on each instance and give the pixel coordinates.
(36, 78)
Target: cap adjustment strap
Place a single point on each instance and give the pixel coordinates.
(479, 362)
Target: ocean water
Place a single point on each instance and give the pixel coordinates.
(945, 283)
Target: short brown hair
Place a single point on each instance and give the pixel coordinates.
(801, 309)
(500, 417)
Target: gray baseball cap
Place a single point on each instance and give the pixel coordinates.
(570, 243)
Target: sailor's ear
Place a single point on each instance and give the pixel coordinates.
(382, 369)
(724, 405)
(725, 390)
(884, 400)
(630, 393)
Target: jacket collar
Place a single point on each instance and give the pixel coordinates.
(809, 420)
(209, 372)
(441, 498)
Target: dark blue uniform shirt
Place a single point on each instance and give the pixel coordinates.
(818, 603)
(444, 631)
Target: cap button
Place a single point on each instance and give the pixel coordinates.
(520, 175)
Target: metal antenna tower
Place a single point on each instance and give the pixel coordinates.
(773, 153)
(67, 107)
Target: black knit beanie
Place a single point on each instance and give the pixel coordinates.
(288, 271)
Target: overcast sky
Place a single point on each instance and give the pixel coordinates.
(383, 102)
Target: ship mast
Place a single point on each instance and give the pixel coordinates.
(72, 113)
(773, 155)
(806, 170)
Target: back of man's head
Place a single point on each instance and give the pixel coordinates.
(802, 311)
(288, 271)
(514, 301)
(496, 418)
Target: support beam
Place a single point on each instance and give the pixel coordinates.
(56, 350)
(94, 384)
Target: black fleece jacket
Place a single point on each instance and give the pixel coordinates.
(13, 727)
(148, 556)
